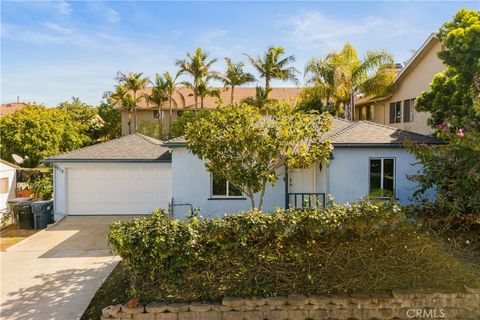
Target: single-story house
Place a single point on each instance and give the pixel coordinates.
(136, 174)
(8, 182)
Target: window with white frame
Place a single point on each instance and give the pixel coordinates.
(222, 188)
(382, 177)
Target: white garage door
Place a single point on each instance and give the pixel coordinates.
(117, 189)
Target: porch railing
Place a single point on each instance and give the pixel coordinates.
(300, 200)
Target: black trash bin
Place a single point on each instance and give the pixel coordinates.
(24, 215)
(42, 213)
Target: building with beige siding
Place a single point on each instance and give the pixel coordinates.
(397, 109)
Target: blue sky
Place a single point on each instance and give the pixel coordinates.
(51, 51)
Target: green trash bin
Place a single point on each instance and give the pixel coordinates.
(24, 215)
(42, 213)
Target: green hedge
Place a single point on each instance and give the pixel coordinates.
(362, 247)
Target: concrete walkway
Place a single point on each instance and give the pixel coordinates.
(55, 273)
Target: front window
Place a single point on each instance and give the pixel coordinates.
(408, 107)
(382, 178)
(4, 185)
(155, 114)
(223, 188)
(396, 112)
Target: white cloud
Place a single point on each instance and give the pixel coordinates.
(61, 7)
(211, 40)
(313, 28)
(105, 11)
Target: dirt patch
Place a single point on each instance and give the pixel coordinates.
(113, 291)
(11, 235)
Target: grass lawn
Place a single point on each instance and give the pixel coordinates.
(113, 291)
(11, 235)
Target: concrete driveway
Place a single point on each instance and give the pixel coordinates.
(55, 273)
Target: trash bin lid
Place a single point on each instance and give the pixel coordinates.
(18, 200)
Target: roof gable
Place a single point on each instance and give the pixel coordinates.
(131, 148)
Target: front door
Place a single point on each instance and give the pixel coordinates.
(302, 187)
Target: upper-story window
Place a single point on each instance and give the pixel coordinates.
(366, 112)
(396, 112)
(224, 189)
(408, 107)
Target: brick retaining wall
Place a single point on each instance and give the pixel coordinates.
(398, 305)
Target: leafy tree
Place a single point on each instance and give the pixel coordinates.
(151, 129)
(247, 149)
(112, 121)
(234, 76)
(274, 66)
(39, 132)
(122, 98)
(197, 66)
(453, 169)
(311, 98)
(453, 98)
(135, 82)
(179, 125)
(371, 76)
(86, 116)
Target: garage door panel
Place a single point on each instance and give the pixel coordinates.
(118, 190)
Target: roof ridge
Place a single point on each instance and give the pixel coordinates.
(148, 139)
(342, 131)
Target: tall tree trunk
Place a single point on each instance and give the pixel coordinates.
(251, 195)
(267, 86)
(171, 114)
(231, 95)
(262, 195)
(129, 115)
(160, 120)
(195, 98)
(135, 110)
(352, 106)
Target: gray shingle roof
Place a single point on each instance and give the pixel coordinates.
(361, 133)
(370, 133)
(131, 148)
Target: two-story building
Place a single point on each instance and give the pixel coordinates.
(397, 109)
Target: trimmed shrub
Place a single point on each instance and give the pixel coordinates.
(363, 247)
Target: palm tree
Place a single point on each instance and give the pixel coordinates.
(205, 90)
(170, 87)
(122, 98)
(371, 76)
(320, 74)
(158, 96)
(135, 82)
(197, 66)
(273, 66)
(234, 76)
(261, 98)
